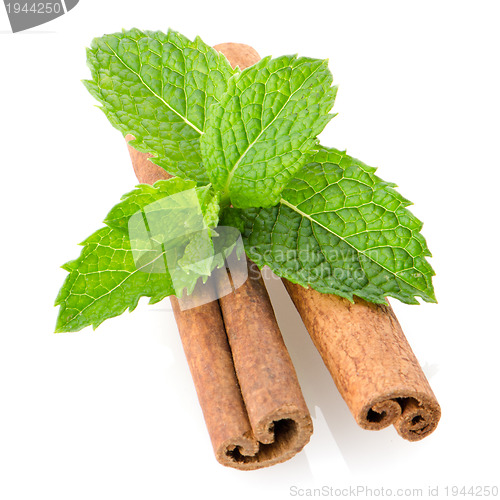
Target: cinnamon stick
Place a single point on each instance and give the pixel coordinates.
(366, 352)
(276, 408)
(371, 362)
(211, 364)
(247, 388)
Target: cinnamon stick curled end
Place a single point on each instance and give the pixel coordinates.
(372, 364)
(414, 414)
(283, 435)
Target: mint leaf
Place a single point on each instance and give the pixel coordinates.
(260, 132)
(158, 87)
(210, 205)
(340, 229)
(177, 219)
(105, 281)
(142, 196)
(152, 246)
(204, 200)
(198, 255)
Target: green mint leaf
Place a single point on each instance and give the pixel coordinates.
(145, 195)
(105, 281)
(259, 134)
(142, 196)
(180, 219)
(340, 229)
(198, 255)
(158, 87)
(157, 243)
(210, 205)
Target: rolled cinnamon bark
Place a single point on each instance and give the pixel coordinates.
(371, 362)
(248, 390)
(145, 171)
(276, 408)
(267, 420)
(211, 364)
(238, 54)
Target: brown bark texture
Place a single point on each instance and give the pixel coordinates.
(245, 380)
(365, 350)
(275, 406)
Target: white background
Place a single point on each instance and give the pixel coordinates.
(113, 413)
